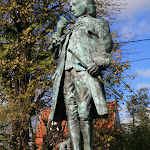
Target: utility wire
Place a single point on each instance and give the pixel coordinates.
(128, 87)
(139, 59)
(133, 41)
(114, 42)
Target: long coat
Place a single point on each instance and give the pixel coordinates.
(98, 44)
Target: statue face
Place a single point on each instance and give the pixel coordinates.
(77, 8)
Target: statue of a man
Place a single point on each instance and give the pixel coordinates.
(78, 95)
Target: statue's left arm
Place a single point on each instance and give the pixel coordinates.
(105, 44)
(102, 51)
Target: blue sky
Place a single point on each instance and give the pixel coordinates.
(134, 22)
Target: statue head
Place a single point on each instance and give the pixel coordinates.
(83, 7)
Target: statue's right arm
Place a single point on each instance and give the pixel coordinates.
(55, 46)
(58, 38)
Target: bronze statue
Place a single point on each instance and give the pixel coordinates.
(78, 95)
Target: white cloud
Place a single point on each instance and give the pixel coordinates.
(144, 73)
(130, 13)
(134, 7)
(125, 119)
(136, 28)
(123, 109)
(143, 85)
(143, 27)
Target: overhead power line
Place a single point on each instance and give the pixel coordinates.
(134, 41)
(114, 42)
(139, 59)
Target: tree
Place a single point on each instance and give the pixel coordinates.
(137, 106)
(26, 65)
(136, 135)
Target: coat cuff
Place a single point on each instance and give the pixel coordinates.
(103, 60)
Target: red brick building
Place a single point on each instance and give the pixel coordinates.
(99, 124)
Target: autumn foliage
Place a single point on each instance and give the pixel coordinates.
(26, 66)
(102, 129)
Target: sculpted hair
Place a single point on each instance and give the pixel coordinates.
(90, 7)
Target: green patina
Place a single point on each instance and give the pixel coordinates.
(78, 95)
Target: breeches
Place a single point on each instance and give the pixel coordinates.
(77, 94)
(77, 98)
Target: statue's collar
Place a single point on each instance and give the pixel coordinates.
(81, 18)
(79, 22)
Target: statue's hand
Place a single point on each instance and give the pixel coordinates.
(93, 70)
(61, 25)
